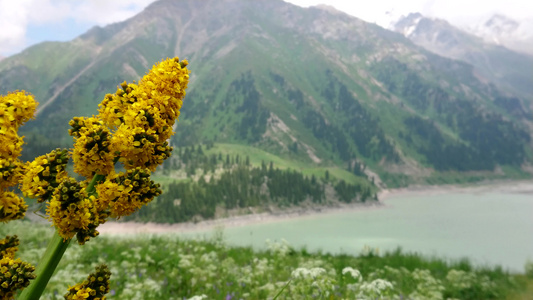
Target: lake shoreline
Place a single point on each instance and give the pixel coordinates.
(509, 186)
(384, 196)
(115, 228)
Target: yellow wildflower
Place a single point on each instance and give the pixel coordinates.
(10, 143)
(78, 292)
(164, 87)
(94, 287)
(10, 172)
(14, 275)
(9, 246)
(16, 108)
(143, 114)
(44, 174)
(113, 107)
(99, 215)
(91, 154)
(12, 207)
(160, 92)
(148, 117)
(70, 209)
(127, 192)
(139, 148)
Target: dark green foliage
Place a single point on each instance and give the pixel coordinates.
(513, 106)
(296, 97)
(394, 180)
(240, 185)
(358, 126)
(348, 193)
(495, 138)
(442, 153)
(490, 140)
(329, 133)
(253, 123)
(486, 138)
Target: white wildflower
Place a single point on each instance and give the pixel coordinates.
(201, 297)
(353, 272)
(307, 273)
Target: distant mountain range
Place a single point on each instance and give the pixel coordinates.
(511, 71)
(309, 84)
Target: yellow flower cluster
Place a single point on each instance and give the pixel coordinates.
(127, 192)
(15, 109)
(43, 175)
(9, 172)
(93, 288)
(12, 207)
(133, 126)
(140, 148)
(144, 114)
(91, 154)
(14, 275)
(9, 246)
(73, 211)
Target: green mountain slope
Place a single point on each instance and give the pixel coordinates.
(311, 85)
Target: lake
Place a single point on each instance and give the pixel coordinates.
(491, 227)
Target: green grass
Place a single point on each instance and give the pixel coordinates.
(165, 180)
(257, 156)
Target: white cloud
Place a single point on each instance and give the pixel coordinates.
(103, 12)
(13, 22)
(17, 15)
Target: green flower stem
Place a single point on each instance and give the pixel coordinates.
(51, 258)
(45, 268)
(90, 188)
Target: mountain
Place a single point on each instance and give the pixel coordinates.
(509, 70)
(313, 85)
(502, 30)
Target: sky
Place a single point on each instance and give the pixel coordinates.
(27, 22)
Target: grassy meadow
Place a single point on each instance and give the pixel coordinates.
(167, 267)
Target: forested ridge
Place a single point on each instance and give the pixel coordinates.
(230, 182)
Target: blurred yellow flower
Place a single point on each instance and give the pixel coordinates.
(9, 246)
(94, 287)
(16, 108)
(14, 275)
(12, 207)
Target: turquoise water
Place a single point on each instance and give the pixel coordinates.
(488, 228)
